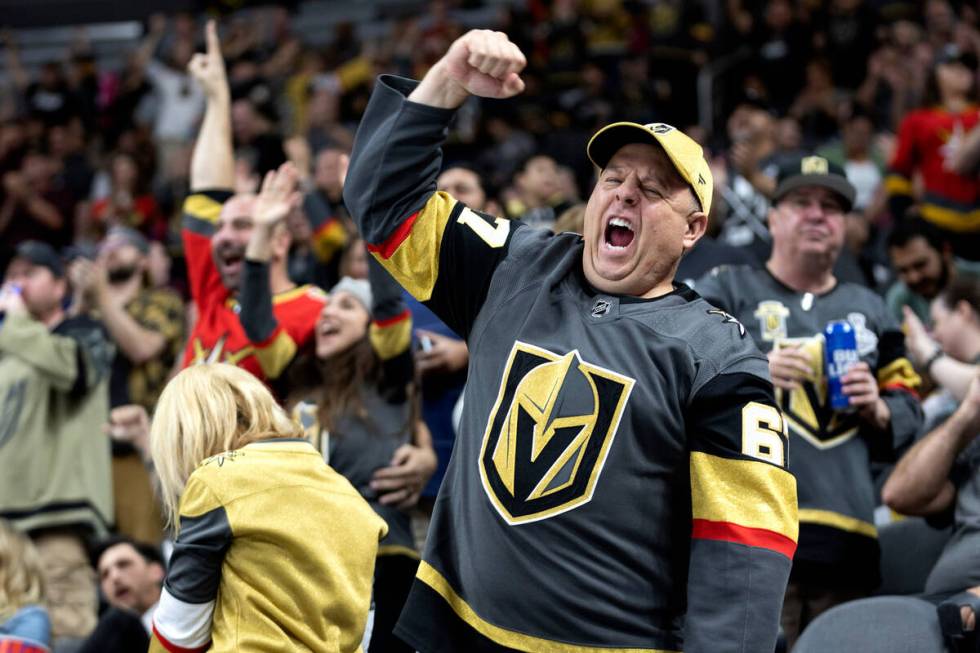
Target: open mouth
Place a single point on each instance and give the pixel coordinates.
(232, 259)
(329, 329)
(619, 234)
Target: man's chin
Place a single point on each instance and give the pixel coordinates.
(230, 281)
(928, 292)
(609, 280)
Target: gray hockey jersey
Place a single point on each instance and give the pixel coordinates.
(831, 451)
(618, 481)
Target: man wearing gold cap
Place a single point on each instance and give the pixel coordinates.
(618, 479)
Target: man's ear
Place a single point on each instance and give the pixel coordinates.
(966, 311)
(157, 572)
(64, 289)
(697, 224)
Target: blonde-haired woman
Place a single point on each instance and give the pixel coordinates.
(274, 551)
(22, 613)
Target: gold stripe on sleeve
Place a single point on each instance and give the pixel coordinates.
(411, 254)
(744, 492)
(202, 207)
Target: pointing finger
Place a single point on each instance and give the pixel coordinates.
(214, 45)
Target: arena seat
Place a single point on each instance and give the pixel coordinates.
(881, 624)
(909, 549)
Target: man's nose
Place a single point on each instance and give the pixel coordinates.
(223, 232)
(627, 192)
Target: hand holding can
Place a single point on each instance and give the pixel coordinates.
(11, 300)
(840, 355)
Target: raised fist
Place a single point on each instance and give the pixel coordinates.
(485, 63)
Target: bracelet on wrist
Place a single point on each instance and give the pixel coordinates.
(936, 355)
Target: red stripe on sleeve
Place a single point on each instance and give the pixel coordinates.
(902, 387)
(703, 529)
(404, 315)
(387, 249)
(173, 648)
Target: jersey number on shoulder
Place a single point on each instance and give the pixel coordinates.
(762, 433)
(493, 236)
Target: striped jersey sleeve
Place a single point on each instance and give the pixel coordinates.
(329, 235)
(443, 252)
(898, 385)
(744, 522)
(390, 331)
(182, 620)
(278, 327)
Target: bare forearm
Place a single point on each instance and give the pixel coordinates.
(879, 415)
(44, 212)
(421, 436)
(213, 161)
(952, 375)
(437, 89)
(147, 48)
(260, 244)
(921, 476)
(138, 344)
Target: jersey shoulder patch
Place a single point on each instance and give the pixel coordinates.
(728, 318)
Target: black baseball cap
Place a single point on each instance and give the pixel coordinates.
(814, 171)
(43, 254)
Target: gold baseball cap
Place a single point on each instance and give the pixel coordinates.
(686, 155)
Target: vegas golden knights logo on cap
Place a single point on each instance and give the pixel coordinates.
(814, 165)
(549, 432)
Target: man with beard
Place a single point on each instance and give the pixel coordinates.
(147, 326)
(54, 399)
(217, 228)
(924, 262)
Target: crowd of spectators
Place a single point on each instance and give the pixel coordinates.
(111, 287)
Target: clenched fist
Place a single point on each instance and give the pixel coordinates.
(481, 62)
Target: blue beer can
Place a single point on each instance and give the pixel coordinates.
(840, 353)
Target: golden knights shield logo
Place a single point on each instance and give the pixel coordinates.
(549, 432)
(807, 408)
(772, 320)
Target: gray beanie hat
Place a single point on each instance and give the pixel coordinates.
(360, 288)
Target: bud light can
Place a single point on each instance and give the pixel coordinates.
(840, 353)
